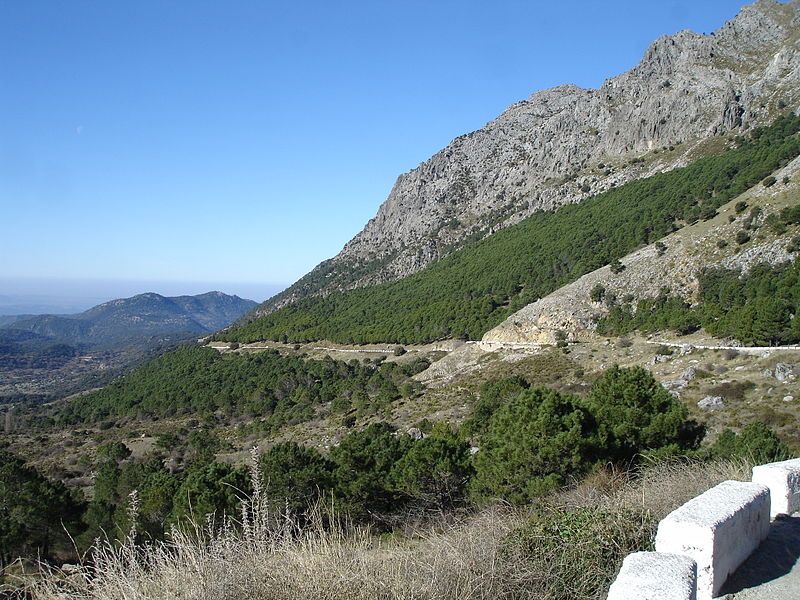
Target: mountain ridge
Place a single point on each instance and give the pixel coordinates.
(561, 145)
(142, 315)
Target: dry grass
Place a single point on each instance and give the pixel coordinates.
(567, 547)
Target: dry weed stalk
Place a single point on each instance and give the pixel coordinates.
(498, 553)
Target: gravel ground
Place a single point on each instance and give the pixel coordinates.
(773, 570)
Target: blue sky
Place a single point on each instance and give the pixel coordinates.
(243, 142)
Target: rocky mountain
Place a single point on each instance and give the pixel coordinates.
(565, 144)
(143, 316)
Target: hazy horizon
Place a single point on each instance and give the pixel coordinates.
(66, 296)
(250, 141)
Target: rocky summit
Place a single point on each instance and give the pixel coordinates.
(565, 144)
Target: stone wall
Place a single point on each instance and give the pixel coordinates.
(700, 544)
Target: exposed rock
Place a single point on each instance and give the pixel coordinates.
(788, 398)
(784, 372)
(689, 374)
(711, 403)
(416, 434)
(545, 151)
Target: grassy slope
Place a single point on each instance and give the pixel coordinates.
(474, 289)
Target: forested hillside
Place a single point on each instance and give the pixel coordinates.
(475, 288)
(756, 308)
(279, 389)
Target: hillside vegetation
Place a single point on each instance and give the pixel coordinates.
(757, 308)
(472, 290)
(279, 389)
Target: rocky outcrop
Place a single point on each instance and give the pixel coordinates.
(677, 266)
(561, 145)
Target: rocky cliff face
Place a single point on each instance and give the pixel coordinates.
(567, 143)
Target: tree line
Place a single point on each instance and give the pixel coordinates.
(273, 389)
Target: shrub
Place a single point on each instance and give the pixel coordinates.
(742, 237)
(791, 215)
(756, 442)
(436, 470)
(209, 489)
(661, 248)
(635, 413)
(740, 206)
(492, 395)
(708, 212)
(399, 351)
(363, 462)
(616, 266)
(534, 442)
(769, 181)
(776, 224)
(35, 513)
(294, 476)
(732, 390)
(597, 292)
(576, 553)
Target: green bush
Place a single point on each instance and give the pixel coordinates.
(295, 476)
(363, 464)
(491, 396)
(436, 470)
(210, 489)
(616, 266)
(597, 292)
(534, 442)
(37, 515)
(634, 413)
(576, 553)
(756, 442)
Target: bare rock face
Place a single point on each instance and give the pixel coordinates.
(561, 145)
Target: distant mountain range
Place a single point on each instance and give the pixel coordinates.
(118, 333)
(127, 320)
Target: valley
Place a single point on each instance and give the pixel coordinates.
(44, 357)
(554, 331)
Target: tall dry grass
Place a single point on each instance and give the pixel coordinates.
(569, 546)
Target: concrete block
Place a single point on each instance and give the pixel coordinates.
(719, 529)
(655, 576)
(783, 481)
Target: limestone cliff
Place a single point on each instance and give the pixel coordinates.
(561, 145)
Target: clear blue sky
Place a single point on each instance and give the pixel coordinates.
(237, 141)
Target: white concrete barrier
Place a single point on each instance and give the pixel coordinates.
(783, 481)
(655, 576)
(719, 529)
